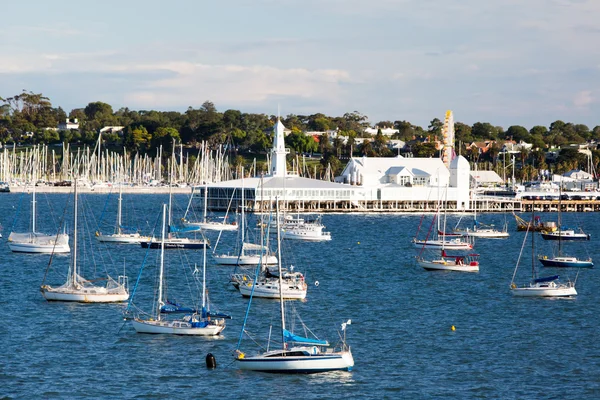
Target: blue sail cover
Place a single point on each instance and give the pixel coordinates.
(290, 337)
(546, 279)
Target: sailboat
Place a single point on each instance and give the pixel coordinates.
(119, 235)
(549, 286)
(442, 242)
(197, 324)
(206, 224)
(79, 289)
(561, 260)
(172, 241)
(249, 253)
(36, 242)
(297, 354)
(480, 230)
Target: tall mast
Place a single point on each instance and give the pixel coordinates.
(33, 207)
(243, 212)
(280, 273)
(74, 279)
(205, 200)
(532, 228)
(119, 210)
(559, 220)
(162, 260)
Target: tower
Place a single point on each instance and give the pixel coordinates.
(448, 138)
(278, 152)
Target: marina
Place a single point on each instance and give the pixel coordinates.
(417, 304)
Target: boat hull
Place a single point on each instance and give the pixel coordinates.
(175, 245)
(98, 295)
(271, 291)
(208, 226)
(440, 244)
(562, 262)
(38, 248)
(544, 291)
(563, 236)
(175, 328)
(244, 260)
(323, 237)
(441, 265)
(134, 238)
(307, 364)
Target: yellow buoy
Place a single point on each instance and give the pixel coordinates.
(357, 242)
(453, 328)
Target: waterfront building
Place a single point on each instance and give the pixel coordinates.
(366, 183)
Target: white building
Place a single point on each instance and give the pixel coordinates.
(393, 183)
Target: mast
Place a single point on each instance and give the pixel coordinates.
(279, 271)
(559, 220)
(205, 200)
(203, 277)
(33, 208)
(532, 242)
(119, 210)
(74, 278)
(162, 260)
(243, 213)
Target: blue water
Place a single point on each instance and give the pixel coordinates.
(401, 337)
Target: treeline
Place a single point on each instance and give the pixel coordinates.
(26, 117)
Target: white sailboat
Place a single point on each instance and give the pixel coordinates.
(120, 236)
(172, 241)
(549, 286)
(480, 230)
(194, 324)
(206, 224)
(466, 263)
(297, 354)
(79, 289)
(249, 253)
(36, 242)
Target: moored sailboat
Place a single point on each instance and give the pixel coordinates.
(79, 289)
(191, 324)
(549, 286)
(36, 242)
(297, 354)
(119, 235)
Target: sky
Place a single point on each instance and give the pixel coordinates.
(506, 62)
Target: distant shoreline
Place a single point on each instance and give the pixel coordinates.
(101, 189)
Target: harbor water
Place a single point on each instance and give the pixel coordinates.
(402, 317)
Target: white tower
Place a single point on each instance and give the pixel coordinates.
(460, 179)
(278, 152)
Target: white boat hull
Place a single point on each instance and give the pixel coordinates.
(444, 265)
(86, 295)
(175, 328)
(443, 244)
(245, 260)
(270, 290)
(307, 236)
(41, 244)
(544, 291)
(304, 364)
(211, 226)
(487, 234)
(131, 238)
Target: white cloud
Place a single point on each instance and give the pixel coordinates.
(583, 99)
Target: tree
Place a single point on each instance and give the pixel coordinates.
(462, 133)
(518, 134)
(435, 127)
(424, 149)
(136, 138)
(164, 137)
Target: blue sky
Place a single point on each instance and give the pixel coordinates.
(507, 62)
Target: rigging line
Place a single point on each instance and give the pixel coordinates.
(12, 228)
(130, 302)
(104, 209)
(57, 233)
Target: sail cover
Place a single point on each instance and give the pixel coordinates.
(546, 279)
(290, 337)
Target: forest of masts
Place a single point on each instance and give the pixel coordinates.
(95, 166)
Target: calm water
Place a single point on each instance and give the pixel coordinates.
(400, 335)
